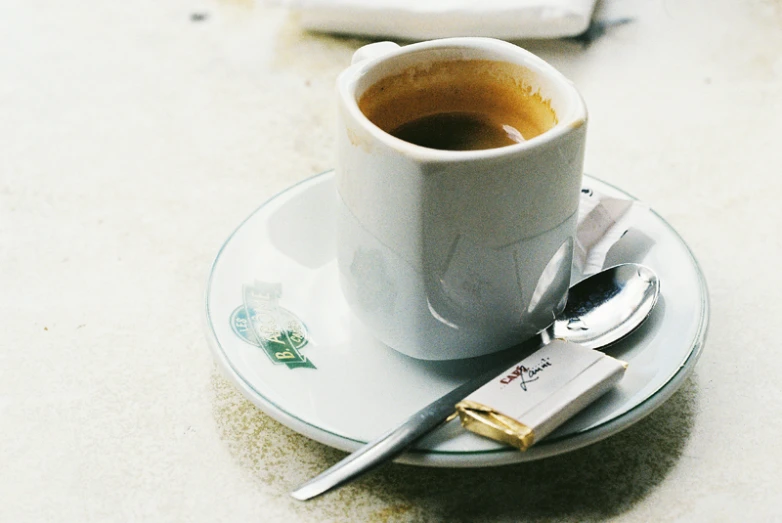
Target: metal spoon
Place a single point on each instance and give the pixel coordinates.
(600, 310)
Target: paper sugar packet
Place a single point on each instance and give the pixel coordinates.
(602, 221)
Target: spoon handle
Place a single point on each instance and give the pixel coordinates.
(394, 442)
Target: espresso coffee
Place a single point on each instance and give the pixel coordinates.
(459, 105)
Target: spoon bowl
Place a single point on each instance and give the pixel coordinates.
(606, 307)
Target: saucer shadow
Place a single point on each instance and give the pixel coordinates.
(602, 480)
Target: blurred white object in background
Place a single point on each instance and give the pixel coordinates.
(423, 20)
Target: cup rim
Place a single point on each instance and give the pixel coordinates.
(576, 116)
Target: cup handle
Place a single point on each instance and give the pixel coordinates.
(373, 51)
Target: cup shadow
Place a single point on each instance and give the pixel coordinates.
(602, 480)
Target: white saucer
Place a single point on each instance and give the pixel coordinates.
(343, 388)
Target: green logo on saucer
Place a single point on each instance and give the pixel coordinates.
(260, 321)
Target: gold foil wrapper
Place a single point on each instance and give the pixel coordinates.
(487, 422)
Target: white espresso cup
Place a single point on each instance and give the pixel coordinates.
(447, 254)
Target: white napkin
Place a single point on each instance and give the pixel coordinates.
(428, 19)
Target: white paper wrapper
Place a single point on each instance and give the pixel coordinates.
(602, 221)
(416, 20)
(530, 399)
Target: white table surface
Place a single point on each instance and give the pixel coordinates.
(133, 140)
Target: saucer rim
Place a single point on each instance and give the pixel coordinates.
(456, 458)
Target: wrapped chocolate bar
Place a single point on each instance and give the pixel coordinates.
(528, 401)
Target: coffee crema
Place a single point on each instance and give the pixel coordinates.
(459, 105)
